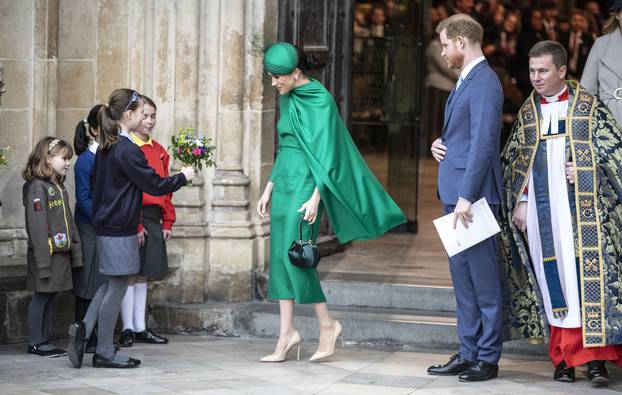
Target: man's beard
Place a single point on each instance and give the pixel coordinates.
(456, 61)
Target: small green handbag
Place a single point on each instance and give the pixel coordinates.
(303, 253)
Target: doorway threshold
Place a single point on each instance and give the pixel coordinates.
(394, 258)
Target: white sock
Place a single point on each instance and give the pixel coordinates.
(140, 304)
(127, 308)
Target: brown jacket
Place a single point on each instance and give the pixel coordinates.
(53, 240)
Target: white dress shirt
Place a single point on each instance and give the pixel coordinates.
(465, 72)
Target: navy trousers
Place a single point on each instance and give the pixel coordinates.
(475, 277)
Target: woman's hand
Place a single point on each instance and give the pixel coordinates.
(262, 203)
(310, 207)
(167, 234)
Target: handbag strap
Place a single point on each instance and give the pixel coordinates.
(300, 229)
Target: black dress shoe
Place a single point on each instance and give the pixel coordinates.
(127, 338)
(563, 373)
(77, 334)
(597, 372)
(456, 365)
(147, 336)
(480, 371)
(35, 349)
(103, 362)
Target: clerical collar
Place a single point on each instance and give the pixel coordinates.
(553, 110)
(561, 96)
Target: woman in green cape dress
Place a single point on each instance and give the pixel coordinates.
(317, 169)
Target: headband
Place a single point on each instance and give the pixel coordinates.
(52, 144)
(135, 97)
(281, 58)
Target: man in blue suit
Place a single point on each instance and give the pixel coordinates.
(469, 169)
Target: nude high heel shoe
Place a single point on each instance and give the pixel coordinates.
(282, 356)
(321, 355)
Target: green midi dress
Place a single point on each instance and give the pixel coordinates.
(293, 186)
(316, 150)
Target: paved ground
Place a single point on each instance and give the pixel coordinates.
(211, 365)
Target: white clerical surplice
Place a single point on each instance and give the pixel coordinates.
(551, 112)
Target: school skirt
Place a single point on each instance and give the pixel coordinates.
(118, 256)
(87, 279)
(153, 256)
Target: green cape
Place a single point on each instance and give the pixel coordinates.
(357, 205)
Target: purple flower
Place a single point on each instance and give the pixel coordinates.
(179, 151)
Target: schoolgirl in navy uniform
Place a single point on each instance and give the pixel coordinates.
(87, 279)
(120, 175)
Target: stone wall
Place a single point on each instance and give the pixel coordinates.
(195, 59)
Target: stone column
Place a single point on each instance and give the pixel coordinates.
(174, 28)
(261, 18)
(28, 51)
(232, 249)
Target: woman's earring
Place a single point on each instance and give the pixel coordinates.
(296, 77)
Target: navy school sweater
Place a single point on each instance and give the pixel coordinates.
(120, 176)
(82, 170)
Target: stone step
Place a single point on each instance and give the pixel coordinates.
(365, 324)
(389, 296)
(410, 328)
(414, 328)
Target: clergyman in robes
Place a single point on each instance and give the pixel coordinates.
(561, 241)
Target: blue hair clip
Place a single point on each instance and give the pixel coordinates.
(135, 98)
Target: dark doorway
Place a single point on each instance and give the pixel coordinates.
(386, 101)
(322, 28)
(374, 74)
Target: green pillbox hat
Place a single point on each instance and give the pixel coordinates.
(281, 58)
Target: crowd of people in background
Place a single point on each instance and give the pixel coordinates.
(511, 28)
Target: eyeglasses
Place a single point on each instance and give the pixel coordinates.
(135, 98)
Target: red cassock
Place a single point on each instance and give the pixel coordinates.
(567, 345)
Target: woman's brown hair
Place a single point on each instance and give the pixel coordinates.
(46, 148)
(120, 101)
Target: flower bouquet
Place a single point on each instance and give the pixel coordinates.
(192, 150)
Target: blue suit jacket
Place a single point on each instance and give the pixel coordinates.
(471, 168)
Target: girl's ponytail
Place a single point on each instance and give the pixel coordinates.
(81, 139)
(84, 135)
(108, 128)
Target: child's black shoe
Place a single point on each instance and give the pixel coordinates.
(77, 334)
(46, 350)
